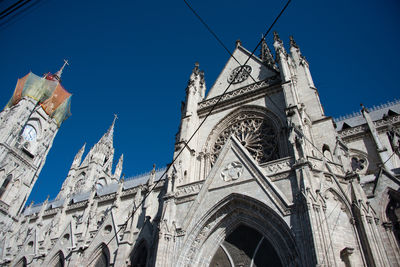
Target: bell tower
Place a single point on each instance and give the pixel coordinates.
(28, 125)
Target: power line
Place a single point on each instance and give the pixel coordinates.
(10, 17)
(10, 7)
(215, 36)
(200, 125)
(224, 46)
(13, 8)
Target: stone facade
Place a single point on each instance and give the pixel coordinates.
(267, 179)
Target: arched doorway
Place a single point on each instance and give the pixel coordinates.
(218, 236)
(245, 247)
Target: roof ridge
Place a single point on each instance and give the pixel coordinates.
(371, 109)
(144, 174)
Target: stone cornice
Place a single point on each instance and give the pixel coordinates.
(268, 85)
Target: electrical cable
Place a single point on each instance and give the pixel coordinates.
(8, 12)
(10, 7)
(394, 151)
(215, 36)
(224, 46)
(200, 125)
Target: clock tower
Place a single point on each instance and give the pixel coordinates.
(28, 125)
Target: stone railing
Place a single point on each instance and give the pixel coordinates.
(203, 105)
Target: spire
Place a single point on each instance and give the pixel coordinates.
(266, 55)
(118, 169)
(108, 136)
(59, 73)
(78, 156)
(293, 43)
(277, 39)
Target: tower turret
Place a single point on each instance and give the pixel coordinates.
(195, 92)
(95, 169)
(266, 55)
(29, 124)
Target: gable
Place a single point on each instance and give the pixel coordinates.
(258, 72)
(235, 171)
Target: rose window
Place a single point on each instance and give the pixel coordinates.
(239, 74)
(256, 134)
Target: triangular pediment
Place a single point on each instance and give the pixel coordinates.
(107, 233)
(64, 242)
(258, 72)
(29, 248)
(235, 171)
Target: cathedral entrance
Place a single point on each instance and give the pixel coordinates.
(245, 247)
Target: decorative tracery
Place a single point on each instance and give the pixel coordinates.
(239, 74)
(255, 133)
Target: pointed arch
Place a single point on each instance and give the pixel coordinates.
(338, 221)
(140, 254)
(205, 237)
(21, 263)
(5, 184)
(57, 260)
(100, 257)
(391, 211)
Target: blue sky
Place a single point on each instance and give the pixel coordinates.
(134, 58)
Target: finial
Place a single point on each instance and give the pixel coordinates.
(153, 171)
(276, 37)
(266, 55)
(108, 136)
(59, 73)
(292, 42)
(238, 43)
(363, 108)
(196, 68)
(47, 198)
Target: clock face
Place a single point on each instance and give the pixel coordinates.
(29, 133)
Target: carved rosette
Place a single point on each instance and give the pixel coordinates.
(239, 74)
(255, 133)
(232, 171)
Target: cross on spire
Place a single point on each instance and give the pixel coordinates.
(59, 73)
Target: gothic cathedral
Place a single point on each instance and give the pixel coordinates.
(260, 177)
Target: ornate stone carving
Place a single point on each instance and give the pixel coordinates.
(232, 171)
(394, 137)
(278, 166)
(239, 74)
(359, 163)
(189, 189)
(246, 89)
(255, 133)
